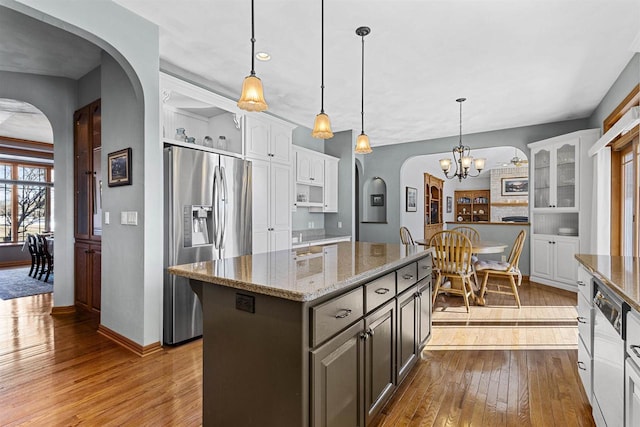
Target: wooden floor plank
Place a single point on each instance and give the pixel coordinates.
(58, 371)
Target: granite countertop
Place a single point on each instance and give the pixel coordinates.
(319, 239)
(303, 274)
(621, 274)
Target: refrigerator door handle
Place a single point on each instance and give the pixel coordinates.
(216, 201)
(223, 184)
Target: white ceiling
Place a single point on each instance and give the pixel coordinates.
(519, 63)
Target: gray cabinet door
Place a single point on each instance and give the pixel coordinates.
(379, 359)
(407, 332)
(424, 312)
(337, 380)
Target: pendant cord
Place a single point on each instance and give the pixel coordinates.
(322, 60)
(253, 42)
(460, 124)
(362, 103)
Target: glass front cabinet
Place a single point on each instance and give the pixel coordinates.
(554, 176)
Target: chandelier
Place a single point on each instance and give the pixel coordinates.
(461, 157)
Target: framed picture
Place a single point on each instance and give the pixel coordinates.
(377, 200)
(119, 164)
(412, 196)
(515, 186)
(449, 204)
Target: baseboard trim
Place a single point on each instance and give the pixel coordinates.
(10, 264)
(68, 309)
(130, 345)
(563, 286)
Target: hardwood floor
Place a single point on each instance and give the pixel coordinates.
(57, 371)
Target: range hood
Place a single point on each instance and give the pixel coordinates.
(622, 126)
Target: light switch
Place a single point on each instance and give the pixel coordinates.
(106, 217)
(123, 218)
(339, 224)
(132, 218)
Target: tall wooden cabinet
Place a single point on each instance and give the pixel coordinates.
(88, 205)
(433, 194)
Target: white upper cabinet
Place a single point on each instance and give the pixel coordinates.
(267, 139)
(555, 171)
(316, 180)
(309, 167)
(330, 185)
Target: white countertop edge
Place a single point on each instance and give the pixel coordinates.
(321, 242)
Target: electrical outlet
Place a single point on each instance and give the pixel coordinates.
(106, 218)
(245, 303)
(339, 224)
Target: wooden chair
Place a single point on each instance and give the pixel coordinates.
(501, 269)
(45, 256)
(473, 235)
(405, 236)
(452, 260)
(32, 245)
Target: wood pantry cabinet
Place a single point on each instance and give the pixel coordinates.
(87, 204)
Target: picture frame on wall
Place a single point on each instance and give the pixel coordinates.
(119, 165)
(377, 200)
(518, 186)
(449, 204)
(411, 199)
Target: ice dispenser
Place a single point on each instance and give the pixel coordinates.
(198, 225)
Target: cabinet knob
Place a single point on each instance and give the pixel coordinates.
(581, 319)
(364, 336)
(581, 366)
(381, 291)
(581, 283)
(407, 276)
(370, 332)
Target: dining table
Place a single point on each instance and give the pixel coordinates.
(478, 247)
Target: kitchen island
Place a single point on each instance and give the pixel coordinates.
(319, 336)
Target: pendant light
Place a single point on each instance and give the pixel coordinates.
(322, 125)
(252, 97)
(461, 157)
(362, 143)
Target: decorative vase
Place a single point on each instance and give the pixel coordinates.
(180, 135)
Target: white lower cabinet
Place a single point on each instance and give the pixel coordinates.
(552, 260)
(632, 394)
(585, 368)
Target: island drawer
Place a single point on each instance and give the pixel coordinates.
(331, 317)
(379, 291)
(406, 277)
(425, 266)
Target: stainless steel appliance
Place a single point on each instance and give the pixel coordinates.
(207, 217)
(608, 357)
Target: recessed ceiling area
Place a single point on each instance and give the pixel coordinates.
(21, 120)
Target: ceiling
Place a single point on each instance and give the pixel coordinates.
(518, 63)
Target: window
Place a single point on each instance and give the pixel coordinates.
(26, 200)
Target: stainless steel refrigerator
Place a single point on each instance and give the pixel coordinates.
(207, 216)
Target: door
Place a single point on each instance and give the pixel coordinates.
(280, 140)
(565, 264)
(280, 215)
(260, 196)
(407, 348)
(565, 175)
(190, 175)
(337, 380)
(542, 178)
(236, 207)
(303, 168)
(379, 359)
(331, 186)
(257, 134)
(317, 170)
(542, 255)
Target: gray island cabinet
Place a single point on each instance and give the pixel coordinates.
(321, 336)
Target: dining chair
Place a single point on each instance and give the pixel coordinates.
(46, 257)
(474, 236)
(405, 236)
(501, 269)
(452, 260)
(35, 257)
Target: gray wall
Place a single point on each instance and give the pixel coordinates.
(302, 138)
(89, 87)
(56, 98)
(626, 81)
(341, 146)
(386, 162)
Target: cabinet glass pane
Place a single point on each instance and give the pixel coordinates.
(566, 176)
(541, 181)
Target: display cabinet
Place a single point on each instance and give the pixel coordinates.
(473, 206)
(433, 194)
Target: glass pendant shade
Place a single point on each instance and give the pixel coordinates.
(362, 144)
(479, 163)
(466, 162)
(252, 97)
(445, 164)
(322, 127)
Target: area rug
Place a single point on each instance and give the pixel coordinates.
(16, 283)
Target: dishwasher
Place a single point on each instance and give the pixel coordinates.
(608, 357)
